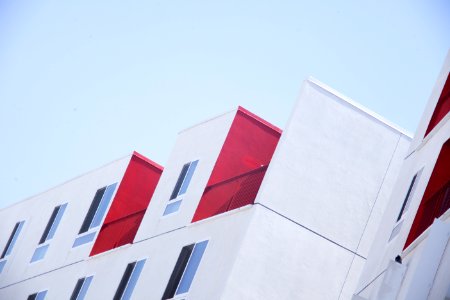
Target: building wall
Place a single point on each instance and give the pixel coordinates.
(202, 142)
(388, 242)
(306, 235)
(36, 211)
(224, 233)
(329, 180)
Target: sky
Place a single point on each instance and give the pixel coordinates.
(83, 83)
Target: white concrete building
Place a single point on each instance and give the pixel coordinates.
(416, 224)
(242, 210)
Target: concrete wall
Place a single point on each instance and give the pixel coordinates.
(36, 211)
(202, 142)
(423, 154)
(332, 174)
(224, 233)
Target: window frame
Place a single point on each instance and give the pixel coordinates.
(181, 187)
(10, 243)
(177, 278)
(124, 290)
(83, 288)
(409, 195)
(88, 231)
(38, 295)
(49, 232)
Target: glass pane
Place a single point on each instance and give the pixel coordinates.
(180, 180)
(39, 253)
(188, 177)
(133, 280)
(103, 206)
(55, 224)
(84, 288)
(15, 235)
(41, 295)
(92, 209)
(2, 264)
(191, 267)
(172, 207)
(84, 239)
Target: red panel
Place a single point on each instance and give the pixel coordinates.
(442, 107)
(241, 165)
(436, 199)
(129, 204)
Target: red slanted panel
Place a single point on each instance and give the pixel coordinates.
(240, 167)
(129, 204)
(442, 107)
(436, 199)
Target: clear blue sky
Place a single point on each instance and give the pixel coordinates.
(85, 82)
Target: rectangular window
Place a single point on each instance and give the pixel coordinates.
(95, 215)
(49, 232)
(180, 187)
(184, 179)
(37, 296)
(409, 194)
(53, 223)
(10, 244)
(184, 271)
(81, 288)
(98, 208)
(129, 280)
(12, 239)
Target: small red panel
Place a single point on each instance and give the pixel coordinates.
(240, 167)
(436, 199)
(129, 204)
(442, 107)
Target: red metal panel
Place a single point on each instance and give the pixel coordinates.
(436, 199)
(129, 204)
(241, 165)
(442, 107)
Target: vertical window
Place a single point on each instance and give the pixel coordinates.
(409, 194)
(180, 187)
(37, 296)
(49, 232)
(81, 288)
(129, 280)
(184, 271)
(10, 244)
(95, 215)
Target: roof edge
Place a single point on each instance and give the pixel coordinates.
(359, 106)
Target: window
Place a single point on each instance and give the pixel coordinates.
(409, 194)
(180, 187)
(95, 215)
(49, 232)
(183, 274)
(10, 244)
(37, 296)
(81, 288)
(129, 280)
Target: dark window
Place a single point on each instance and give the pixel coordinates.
(177, 272)
(185, 269)
(53, 223)
(98, 208)
(37, 296)
(407, 198)
(129, 280)
(81, 288)
(92, 209)
(12, 239)
(180, 180)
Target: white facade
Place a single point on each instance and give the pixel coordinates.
(306, 236)
(424, 272)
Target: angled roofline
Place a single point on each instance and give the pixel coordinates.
(359, 107)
